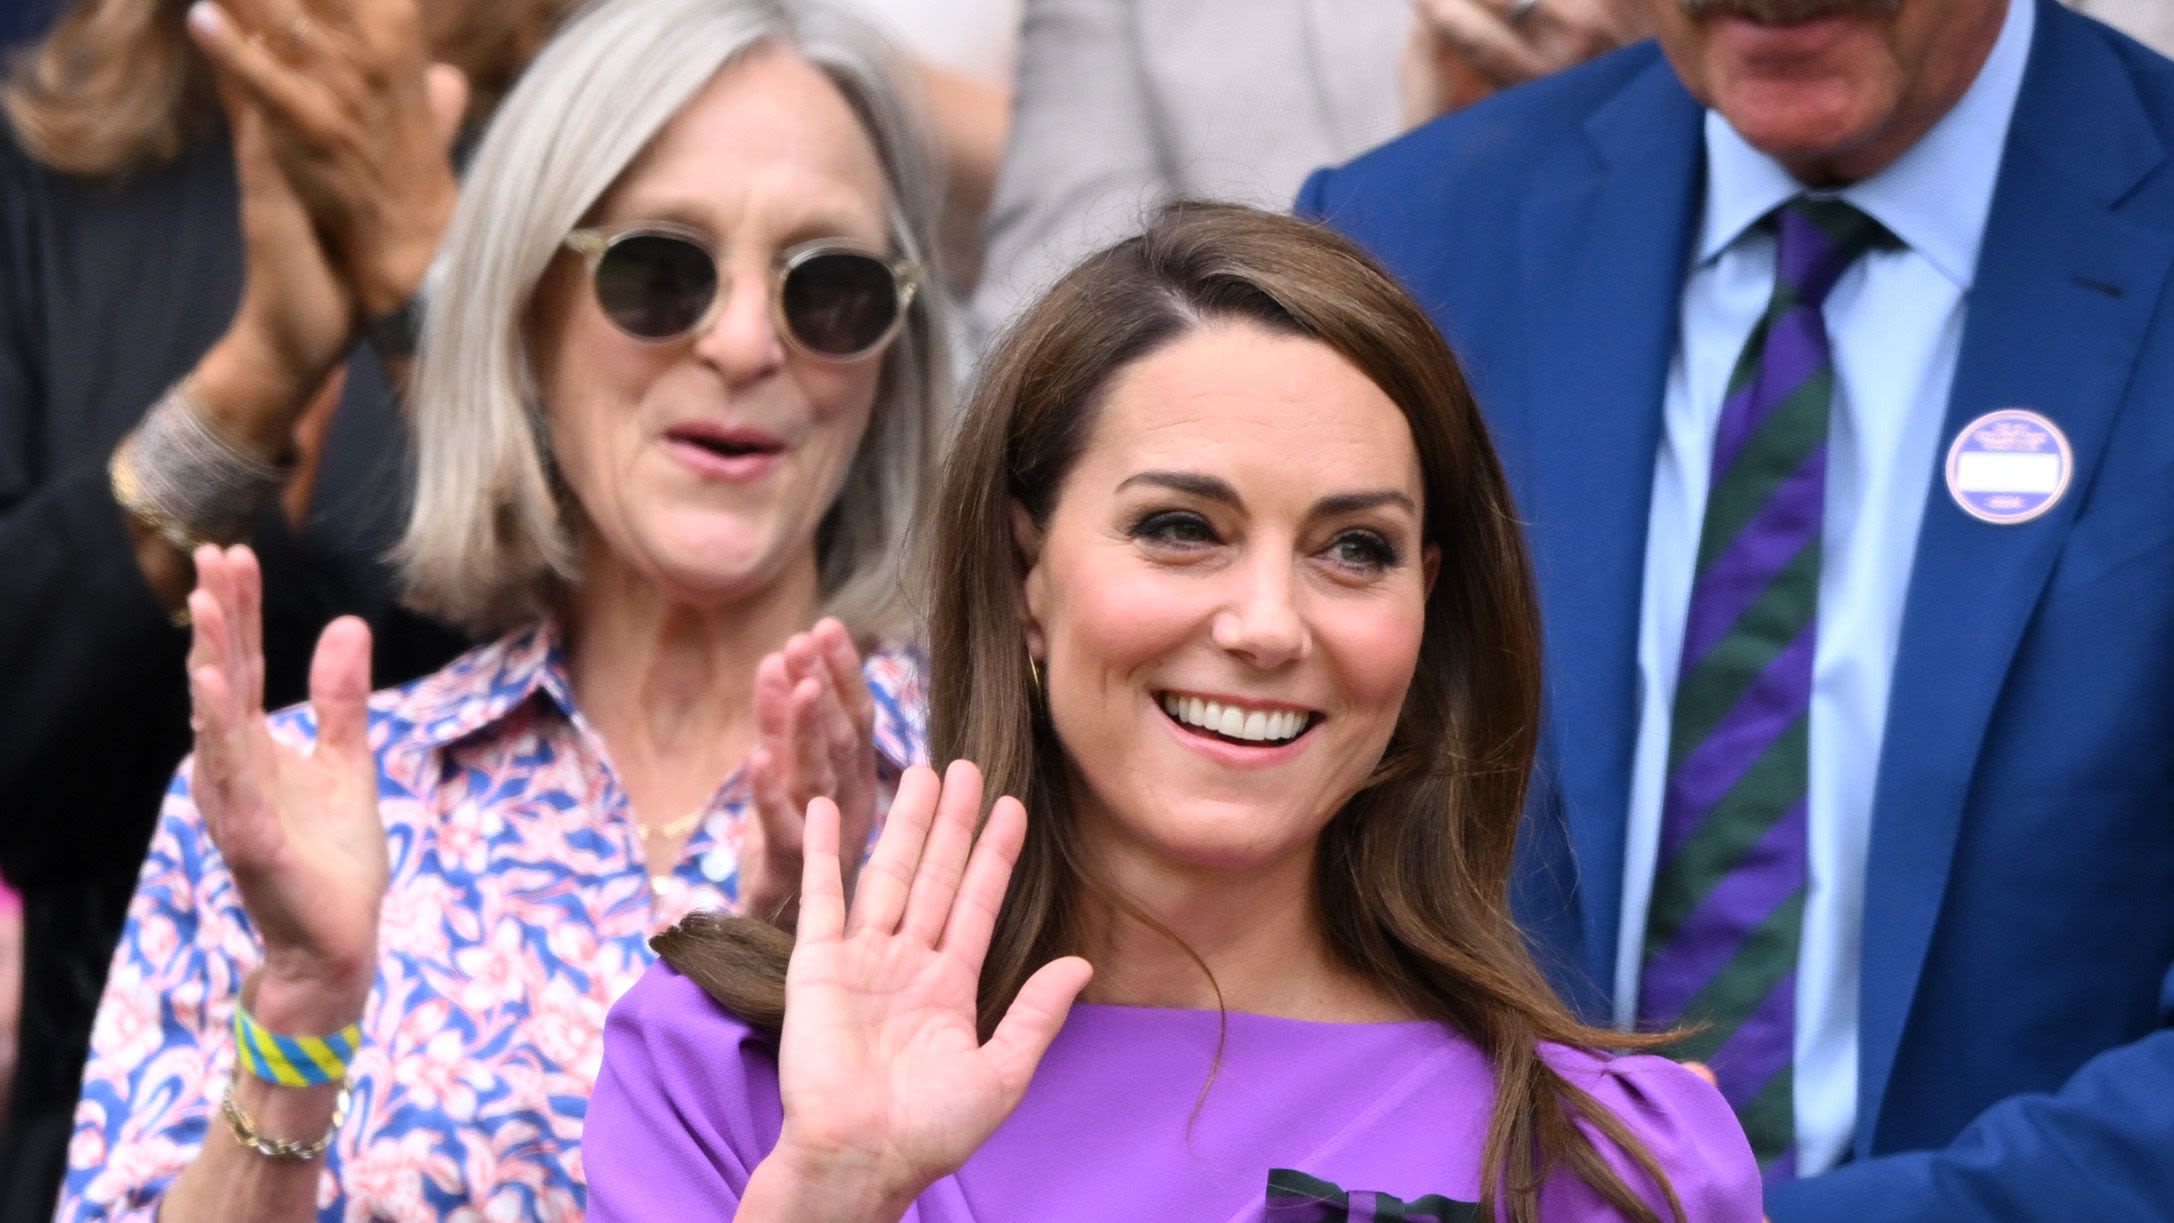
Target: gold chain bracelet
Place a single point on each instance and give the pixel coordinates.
(246, 1132)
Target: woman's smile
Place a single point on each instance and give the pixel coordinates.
(1229, 595)
(1235, 720)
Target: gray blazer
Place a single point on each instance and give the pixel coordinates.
(1122, 104)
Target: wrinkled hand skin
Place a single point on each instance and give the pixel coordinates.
(360, 120)
(298, 828)
(815, 726)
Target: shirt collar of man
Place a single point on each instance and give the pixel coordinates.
(1935, 197)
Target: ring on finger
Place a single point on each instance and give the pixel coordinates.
(1521, 9)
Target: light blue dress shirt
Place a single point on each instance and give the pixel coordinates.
(1895, 322)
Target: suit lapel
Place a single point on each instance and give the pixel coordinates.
(2064, 292)
(1608, 249)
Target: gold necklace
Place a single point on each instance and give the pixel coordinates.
(676, 829)
(670, 834)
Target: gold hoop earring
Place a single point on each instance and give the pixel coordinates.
(1034, 674)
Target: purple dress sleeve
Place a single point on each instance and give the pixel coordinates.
(1684, 1123)
(685, 1107)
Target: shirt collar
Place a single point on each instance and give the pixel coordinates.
(1935, 197)
(486, 685)
(491, 683)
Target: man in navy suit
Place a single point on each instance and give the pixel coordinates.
(1829, 347)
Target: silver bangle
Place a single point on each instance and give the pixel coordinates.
(178, 476)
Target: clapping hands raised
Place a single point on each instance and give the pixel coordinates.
(815, 722)
(298, 827)
(887, 1085)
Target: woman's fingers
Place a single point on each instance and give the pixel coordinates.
(822, 892)
(1023, 1035)
(988, 875)
(206, 631)
(245, 59)
(214, 766)
(879, 901)
(248, 589)
(813, 760)
(221, 630)
(339, 688)
(773, 700)
(936, 882)
(835, 647)
(847, 743)
(777, 819)
(447, 87)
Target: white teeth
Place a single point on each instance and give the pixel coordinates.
(1231, 722)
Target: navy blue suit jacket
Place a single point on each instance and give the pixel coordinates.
(2018, 1005)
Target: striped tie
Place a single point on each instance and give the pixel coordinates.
(1728, 894)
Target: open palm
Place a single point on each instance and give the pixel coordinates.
(299, 828)
(882, 1069)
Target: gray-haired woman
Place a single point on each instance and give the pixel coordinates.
(677, 397)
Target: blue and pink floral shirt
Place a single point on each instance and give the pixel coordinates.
(520, 908)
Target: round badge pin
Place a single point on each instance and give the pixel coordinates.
(2009, 466)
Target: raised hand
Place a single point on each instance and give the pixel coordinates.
(296, 318)
(887, 1085)
(299, 829)
(816, 725)
(363, 124)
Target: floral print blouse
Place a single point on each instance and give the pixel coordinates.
(520, 908)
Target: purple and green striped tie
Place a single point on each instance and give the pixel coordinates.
(1729, 888)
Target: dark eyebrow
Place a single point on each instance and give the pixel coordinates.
(1211, 489)
(1206, 487)
(1339, 504)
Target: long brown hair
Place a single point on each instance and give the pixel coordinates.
(1412, 877)
(115, 86)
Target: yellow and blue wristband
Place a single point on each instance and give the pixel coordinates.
(293, 1061)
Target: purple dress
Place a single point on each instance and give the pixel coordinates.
(1303, 1122)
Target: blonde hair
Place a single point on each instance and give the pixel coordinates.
(115, 86)
(487, 543)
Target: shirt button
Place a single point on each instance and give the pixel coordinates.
(717, 865)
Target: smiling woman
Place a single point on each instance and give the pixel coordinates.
(1229, 594)
(676, 401)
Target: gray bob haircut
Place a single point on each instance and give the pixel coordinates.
(487, 544)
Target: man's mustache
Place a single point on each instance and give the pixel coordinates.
(1785, 12)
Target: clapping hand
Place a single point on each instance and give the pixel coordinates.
(816, 725)
(361, 121)
(887, 1085)
(298, 827)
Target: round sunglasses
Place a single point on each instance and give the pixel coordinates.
(657, 281)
